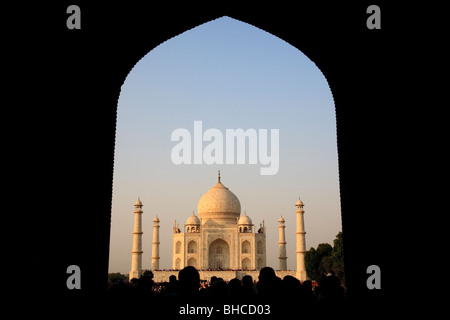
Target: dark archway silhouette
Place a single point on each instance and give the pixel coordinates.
(85, 71)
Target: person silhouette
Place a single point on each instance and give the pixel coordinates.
(248, 289)
(269, 284)
(235, 288)
(188, 282)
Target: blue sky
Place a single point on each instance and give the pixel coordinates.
(227, 74)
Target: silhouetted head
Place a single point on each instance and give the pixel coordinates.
(291, 282)
(266, 274)
(218, 288)
(189, 279)
(291, 286)
(307, 285)
(247, 281)
(172, 279)
(234, 286)
(268, 282)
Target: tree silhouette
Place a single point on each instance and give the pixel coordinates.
(337, 255)
(326, 259)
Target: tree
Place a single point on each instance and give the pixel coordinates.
(147, 274)
(315, 267)
(337, 255)
(324, 249)
(115, 277)
(326, 259)
(325, 266)
(312, 263)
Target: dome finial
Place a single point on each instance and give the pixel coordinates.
(218, 178)
(138, 202)
(299, 203)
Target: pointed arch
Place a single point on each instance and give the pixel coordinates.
(219, 254)
(192, 262)
(246, 247)
(192, 246)
(246, 264)
(259, 247)
(178, 247)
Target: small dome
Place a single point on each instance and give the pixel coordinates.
(193, 220)
(281, 219)
(138, 202)
(156, 219)
(299, 203)
(245, 219)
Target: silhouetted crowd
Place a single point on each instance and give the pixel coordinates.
(286, 294)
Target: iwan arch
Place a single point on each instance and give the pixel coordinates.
(219, 238)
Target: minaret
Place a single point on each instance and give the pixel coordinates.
(301, 244)
(155, 244)
(282, 245)
(136, 253)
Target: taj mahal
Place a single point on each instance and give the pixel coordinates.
(219, 241)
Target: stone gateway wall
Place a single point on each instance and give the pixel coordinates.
(163, 276)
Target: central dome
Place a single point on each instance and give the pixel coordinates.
(220, 205)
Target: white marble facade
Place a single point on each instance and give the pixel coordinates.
(219, 238)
